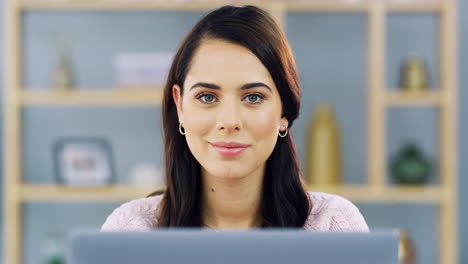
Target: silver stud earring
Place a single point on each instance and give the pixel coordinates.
(180, 129)
(285, 131)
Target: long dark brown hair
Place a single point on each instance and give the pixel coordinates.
(284, 202)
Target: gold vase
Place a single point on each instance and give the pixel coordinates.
(62, 76)
(414, 76)
(324, 155)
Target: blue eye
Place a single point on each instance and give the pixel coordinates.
(207, 98)
(254, 98)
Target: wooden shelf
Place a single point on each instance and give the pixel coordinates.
(390, 194)
(429, 99)
(410, 7)
(146, 97)
(326, 6)
(356, 193)
(112, 5)
(58, 193)
(203, 5)
(91, 97)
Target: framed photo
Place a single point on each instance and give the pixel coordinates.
(83, 162)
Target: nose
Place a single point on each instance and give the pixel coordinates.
(229, 117)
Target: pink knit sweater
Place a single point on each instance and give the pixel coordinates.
(330, 213)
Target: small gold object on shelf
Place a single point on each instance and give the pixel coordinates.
(414, 76)
(62, 77)
(406, 251)
(324, 154)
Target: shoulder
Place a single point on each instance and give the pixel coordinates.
(136, 215)
(333, 213)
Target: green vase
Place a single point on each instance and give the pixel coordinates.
(56, 260)
(410, 166)
(52, 248)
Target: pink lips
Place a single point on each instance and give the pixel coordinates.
(229, 149)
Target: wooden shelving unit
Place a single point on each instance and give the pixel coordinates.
(376, 190)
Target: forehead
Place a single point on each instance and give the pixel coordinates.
(219, 61)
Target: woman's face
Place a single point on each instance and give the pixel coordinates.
(230, 110)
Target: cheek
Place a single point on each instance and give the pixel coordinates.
(264, 124)
(197, 122)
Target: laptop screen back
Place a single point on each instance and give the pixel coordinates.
(272, 247)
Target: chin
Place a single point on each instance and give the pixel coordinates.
(227, 173)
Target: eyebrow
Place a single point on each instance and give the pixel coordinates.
(243, 87)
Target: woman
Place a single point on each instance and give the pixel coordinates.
(231, 96)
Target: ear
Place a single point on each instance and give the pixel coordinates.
(284, 121)
(177, 96)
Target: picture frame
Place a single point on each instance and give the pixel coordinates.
(83, 162)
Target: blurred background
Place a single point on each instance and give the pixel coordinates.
(93, 60)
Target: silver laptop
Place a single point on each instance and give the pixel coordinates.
(187, 246)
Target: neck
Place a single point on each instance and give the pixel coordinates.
(232, 203)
